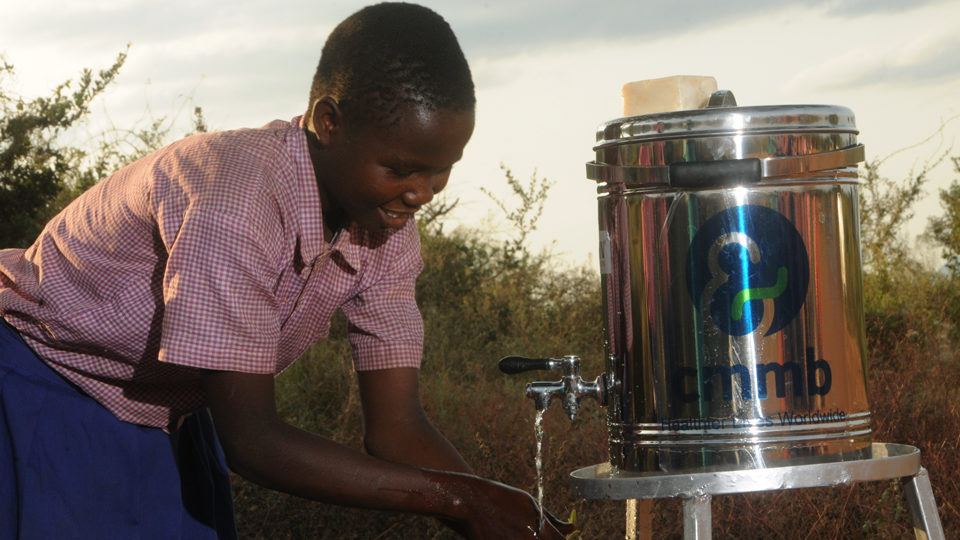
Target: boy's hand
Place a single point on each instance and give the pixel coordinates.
(396, 429)
(490, 509)
(263, 448)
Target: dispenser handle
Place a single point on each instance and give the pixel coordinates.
(707, 174)
(512, 365)
(721, 98)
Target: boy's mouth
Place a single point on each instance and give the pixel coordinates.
(394, 219)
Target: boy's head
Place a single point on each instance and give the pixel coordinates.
(391, 110)
(388, 57)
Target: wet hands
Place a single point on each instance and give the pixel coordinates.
(488, 509)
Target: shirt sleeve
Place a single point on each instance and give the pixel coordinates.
(219, 309)
(385, 327)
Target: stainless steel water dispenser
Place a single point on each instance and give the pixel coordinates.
(731, 279)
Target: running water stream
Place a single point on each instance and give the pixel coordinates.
(538, 462)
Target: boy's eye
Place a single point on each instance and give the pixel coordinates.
(399, 173)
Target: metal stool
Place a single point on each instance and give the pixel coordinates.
(888, 461)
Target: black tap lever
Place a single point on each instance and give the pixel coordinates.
(511, 365)
(570, 389)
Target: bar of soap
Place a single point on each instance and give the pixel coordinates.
(678, 93)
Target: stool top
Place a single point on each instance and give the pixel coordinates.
(887, 461)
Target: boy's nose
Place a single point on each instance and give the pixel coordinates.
(422, 190)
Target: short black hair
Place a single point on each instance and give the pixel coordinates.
(388, 56)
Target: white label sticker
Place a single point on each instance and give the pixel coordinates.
(606, 265)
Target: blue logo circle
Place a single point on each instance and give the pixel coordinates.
(743, 262)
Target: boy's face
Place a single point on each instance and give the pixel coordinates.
(379, 177)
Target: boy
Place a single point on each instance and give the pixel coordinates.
(191, 277)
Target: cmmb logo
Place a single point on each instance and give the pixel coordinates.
(748, 270)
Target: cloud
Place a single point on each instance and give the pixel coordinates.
(497, 27)
(925, 60)
(112, 23)
(486, 28)
(509, 27)
(859, 8)
(253, 44)
(940, 64)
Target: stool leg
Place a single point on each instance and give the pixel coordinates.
(639, 519)
(923, 507)
(696, 518)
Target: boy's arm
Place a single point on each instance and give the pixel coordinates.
(395, 426)
(264, 449)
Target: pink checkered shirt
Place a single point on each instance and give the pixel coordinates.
(207, 254)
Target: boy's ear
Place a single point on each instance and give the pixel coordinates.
(326, 119)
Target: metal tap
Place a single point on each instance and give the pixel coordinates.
(571, 388)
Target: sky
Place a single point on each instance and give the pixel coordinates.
(547, 74)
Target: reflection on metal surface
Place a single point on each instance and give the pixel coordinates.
(923, 506)
(571, 389)
(880, 461)
(733, 308)
(703, 123)
(696, 518)
(793, 167)
(760, 342)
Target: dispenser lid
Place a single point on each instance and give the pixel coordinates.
(727, 121)
(726, 145)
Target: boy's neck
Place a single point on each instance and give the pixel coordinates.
(333, 222)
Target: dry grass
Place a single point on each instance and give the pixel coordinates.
(478, 307)
(915, 401)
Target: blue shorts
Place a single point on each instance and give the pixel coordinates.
(70, 469)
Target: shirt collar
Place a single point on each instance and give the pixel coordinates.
(351, 241)
(348, 243)
(309, 212)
